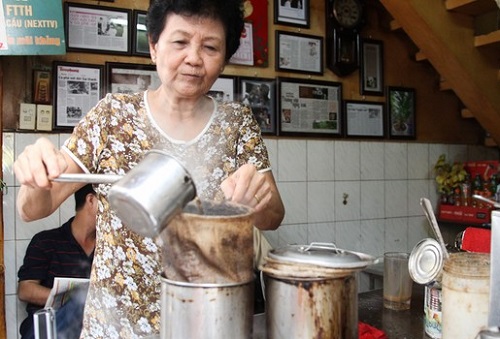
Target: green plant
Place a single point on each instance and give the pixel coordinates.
(402, 105)
(448, 176)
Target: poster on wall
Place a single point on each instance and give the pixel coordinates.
(31, 27)
(255, 12)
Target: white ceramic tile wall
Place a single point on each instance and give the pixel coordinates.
(383, 182)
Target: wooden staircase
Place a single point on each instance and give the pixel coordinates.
(468, 64)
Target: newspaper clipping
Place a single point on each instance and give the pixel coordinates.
(78, 90)
(310, 108)
(97, 29)
(300, 53)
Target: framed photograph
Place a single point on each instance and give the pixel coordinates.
(372, 67)
(42, 93)
(299, 53)
(309, 108)
(97, 29)
(223, 89)
(130, 78)
(401, 107)
(364, 119)
(140, 43)
(260, 95)
(77, 88)
(292, 13)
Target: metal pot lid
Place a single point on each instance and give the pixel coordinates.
(426, 261)
(321, 254)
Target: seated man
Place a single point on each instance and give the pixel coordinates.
(66, 251)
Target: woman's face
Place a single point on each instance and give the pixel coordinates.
(189, 55)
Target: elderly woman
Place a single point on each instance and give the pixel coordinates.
(220, 144)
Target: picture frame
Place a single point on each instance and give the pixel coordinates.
(130, 78)
(309, 108)
(42, 88)
(372, 67)
(140, 42)
(97, 29)
(300, 53)
(364, 119)
(292, 13)
(77, 88)
(260, 95)
(401, 103)
(223, 89)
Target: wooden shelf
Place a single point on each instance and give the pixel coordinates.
(487, 39)
(471, 7)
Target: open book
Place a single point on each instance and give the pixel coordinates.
(62, 290)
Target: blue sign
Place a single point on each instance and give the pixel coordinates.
(31, 27)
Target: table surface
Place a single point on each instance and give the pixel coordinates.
(407, 324)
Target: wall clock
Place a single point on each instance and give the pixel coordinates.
(344, 20)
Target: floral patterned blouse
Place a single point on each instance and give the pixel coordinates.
(124, 294)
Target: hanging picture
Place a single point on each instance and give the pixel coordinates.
(401, 102)
(255, 13)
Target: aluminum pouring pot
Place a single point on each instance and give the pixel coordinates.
(149, 195)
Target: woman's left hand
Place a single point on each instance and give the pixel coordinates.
(248, 186)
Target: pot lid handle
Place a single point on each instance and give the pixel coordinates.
(316, 245)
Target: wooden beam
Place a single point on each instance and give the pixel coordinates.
(487, 39)
(466, 113)
(394, 25)
(444, 38)
(470, 7)
(419, 56)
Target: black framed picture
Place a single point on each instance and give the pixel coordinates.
(97, 29)
(77, 89)
(140, 43)
(260, 95)
(372, 67)
(300, 53)
(309, 108)
(364, 119)
(402, 112)
(130, 78)
(223, 89)
(292, 13)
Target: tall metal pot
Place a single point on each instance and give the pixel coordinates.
(311, 292)
(206, 311)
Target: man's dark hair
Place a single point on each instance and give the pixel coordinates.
(81, 194)
(230, 13)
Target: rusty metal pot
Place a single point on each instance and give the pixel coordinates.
(206, 311)
(149, 195)
(312, 291)
(209, 242)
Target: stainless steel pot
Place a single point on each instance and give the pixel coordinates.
(206, 311)
(149, 195)
(311, 291)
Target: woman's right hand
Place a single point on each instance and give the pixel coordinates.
(39, 163)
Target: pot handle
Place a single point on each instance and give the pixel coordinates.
(378, 260)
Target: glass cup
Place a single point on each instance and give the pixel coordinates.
(397, 281)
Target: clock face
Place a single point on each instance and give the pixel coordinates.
(347, 12)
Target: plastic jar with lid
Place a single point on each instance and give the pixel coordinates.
(466, 290)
